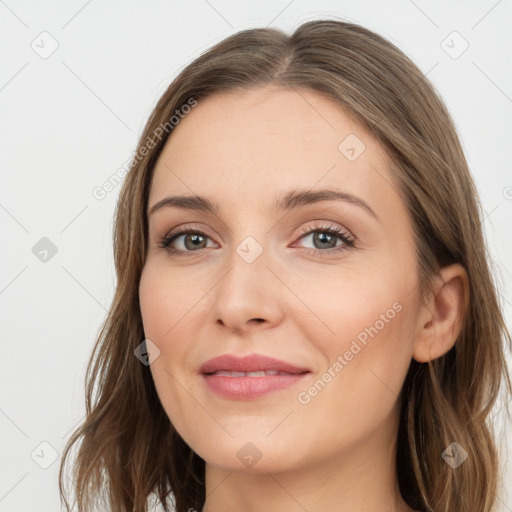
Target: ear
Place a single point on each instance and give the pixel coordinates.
(440, 321)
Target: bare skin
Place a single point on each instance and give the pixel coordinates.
(332, 449)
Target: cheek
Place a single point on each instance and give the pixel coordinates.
(169, 315)
(347, 305)
(168, 302)
(367, 347)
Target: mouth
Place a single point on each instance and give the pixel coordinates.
(249, 377)
(249, 364)
(261, 373)
(250, 385)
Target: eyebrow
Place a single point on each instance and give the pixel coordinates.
(289, 201)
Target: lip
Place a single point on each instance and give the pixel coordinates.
(249, 363)
(249, 387)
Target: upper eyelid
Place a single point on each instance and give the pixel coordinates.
(326, 225)
(189, 228)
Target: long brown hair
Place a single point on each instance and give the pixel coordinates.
(127, 449)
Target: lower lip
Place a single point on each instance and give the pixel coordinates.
(247, 388)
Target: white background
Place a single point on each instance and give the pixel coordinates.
(71, 120)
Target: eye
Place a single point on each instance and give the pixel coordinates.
(326, 239)
(193, 240)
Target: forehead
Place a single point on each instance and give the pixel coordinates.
(256, 144)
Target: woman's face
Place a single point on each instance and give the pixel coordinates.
(264, 275)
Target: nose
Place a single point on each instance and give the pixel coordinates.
(249, 295)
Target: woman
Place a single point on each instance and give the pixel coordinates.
(304, 317)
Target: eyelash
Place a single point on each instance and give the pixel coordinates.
(348, 241)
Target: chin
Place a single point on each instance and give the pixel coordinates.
(246, 454)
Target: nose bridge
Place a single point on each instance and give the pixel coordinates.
(249, 290)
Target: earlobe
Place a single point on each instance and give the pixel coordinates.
(441, 320)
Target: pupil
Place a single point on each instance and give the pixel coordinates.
(196, 241)
(321, 238)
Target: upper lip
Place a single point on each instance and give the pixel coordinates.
(249, 363)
